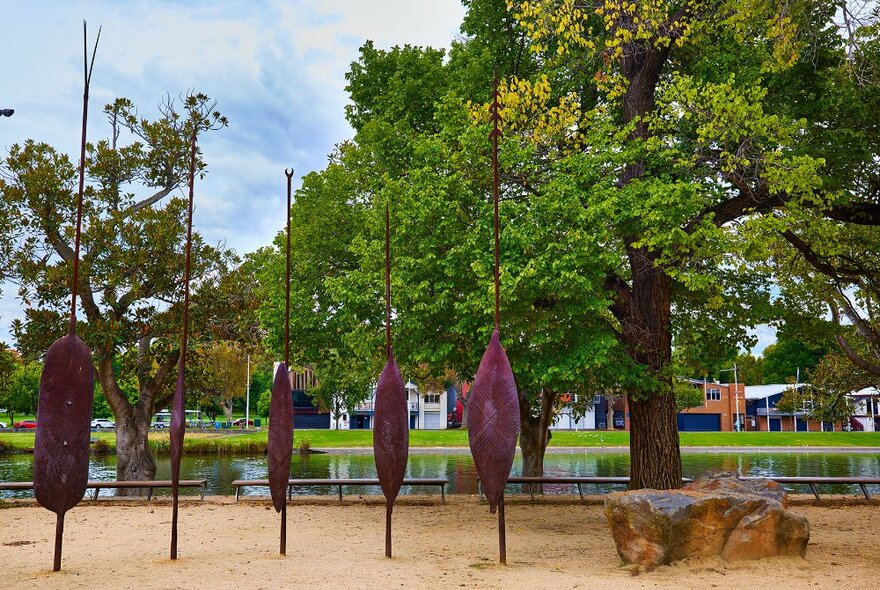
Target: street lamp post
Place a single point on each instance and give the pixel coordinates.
(247, 402)
(737, 426)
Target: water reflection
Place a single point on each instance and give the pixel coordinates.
(458, 467)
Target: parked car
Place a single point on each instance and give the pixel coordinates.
(3, 425)
(100, 423)
(26, 424)
(240, 422)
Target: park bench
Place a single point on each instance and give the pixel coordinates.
(340, 483)
(814, 481)
(97, 486)
(576, 480)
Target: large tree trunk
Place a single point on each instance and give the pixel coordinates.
(227, 409)
(655, 457)
(134, 461)
(534, 435)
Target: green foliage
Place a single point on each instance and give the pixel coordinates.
(687, 396)
(263, 403)
(787, 356)
(219, 374)
(21, 393)
(830, 383)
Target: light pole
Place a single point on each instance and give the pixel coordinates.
(247, 402)
(737, 426)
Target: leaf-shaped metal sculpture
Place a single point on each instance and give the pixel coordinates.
(64, 413)
(391, 415)
(280, 446)
(493, 405)
(178, 423)
(281, 407)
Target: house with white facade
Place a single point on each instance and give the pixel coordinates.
(867, 409)
(574, 416)
(426, 411)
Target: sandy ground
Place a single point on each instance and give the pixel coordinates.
(554, 543)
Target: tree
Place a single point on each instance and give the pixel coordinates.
(826, 397)
(788, 358)
(21, 394)
(131, 268)
(651, 162)
(219, 374)
(708, 158)
(687, 395)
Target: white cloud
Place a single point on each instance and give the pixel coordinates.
(276, 67)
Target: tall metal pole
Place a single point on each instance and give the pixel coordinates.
(247, 396)
(739, 426)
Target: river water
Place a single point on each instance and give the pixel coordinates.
(458, 467)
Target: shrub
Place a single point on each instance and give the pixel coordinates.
(102, 447)
(304, 446)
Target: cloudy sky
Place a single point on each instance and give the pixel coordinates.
(276, 68)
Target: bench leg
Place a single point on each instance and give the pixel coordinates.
(204, 487)
(443, 493)
(865, 491)
(237, 491)
(340, 493)
(581, 492)
(531, 493)
(95, 498)
(815, 492)
(289, 492)
(149, 494)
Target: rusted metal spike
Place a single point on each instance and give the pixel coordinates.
(64, 412)
(280, 446)
(493, 404)
(391, 428)
(178, 425)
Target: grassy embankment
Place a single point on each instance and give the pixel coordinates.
(241, 443)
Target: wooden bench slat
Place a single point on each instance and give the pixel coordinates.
(412, 481)
(98, 485)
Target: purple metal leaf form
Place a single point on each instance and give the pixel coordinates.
(390, 438)
(280, 445)
(64, 414)
(61, 445)
(493, 421)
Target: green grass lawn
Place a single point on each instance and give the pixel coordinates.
(235, 442)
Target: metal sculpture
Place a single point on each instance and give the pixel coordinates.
(280, 446)
(178, 424)
(391, 428)
(493, 404)
(64, 413)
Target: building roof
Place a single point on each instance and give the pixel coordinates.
(866, 392)
(765, 391)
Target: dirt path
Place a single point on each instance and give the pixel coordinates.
(555, 543)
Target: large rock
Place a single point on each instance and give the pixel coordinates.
(715, 515)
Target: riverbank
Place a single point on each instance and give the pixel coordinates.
(254, 442)
(555, 543)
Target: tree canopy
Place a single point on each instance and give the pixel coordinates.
(659, 160)
(132, 255)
